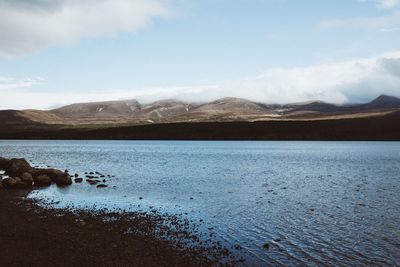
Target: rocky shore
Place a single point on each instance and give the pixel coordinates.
(21, 175)
(32, 235)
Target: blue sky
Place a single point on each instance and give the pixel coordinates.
(273, 51)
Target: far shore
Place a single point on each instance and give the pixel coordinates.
(378, 128)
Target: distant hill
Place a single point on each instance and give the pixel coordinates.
(384, 101)
(169, 111)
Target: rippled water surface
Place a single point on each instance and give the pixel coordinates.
(314, 203)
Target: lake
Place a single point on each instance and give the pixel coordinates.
(314, 203)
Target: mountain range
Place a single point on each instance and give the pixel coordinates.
(132, 112)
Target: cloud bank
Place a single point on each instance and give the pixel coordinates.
(357, 80)
(387, 4)
(30, 25)
(386, 23)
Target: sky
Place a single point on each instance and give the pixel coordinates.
(57, 52)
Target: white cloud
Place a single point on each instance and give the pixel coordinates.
(357, 80)
(347, 81)
(29, 25)
(12, 84)
(387, 4)
(391, 21)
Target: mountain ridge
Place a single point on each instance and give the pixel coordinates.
(170, 110)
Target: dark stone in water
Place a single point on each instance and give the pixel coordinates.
(104, 180)
(78, 180)
(140, 198)
(76, 175)
(93, 182)
(102, 186)
(266, 246)
(66, 171)
(91, 173)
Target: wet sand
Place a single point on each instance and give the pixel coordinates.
(35, 236)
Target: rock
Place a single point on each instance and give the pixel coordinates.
(266, 246)
(76, 175)
(102, 185)
(4, 163)
(8, 183)
(63, 180)
(57, 176)
(52, 173)
(21, 185)
(42, 180)
(93, 182)
(27, 178)
(18, 167)
(34, 172)
(78, 180)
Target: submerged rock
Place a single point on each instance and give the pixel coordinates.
(93, 182)
(102, 185)
(78, 180)
(266, 246)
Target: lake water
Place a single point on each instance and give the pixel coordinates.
(314, 203)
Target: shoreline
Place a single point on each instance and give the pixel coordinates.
(37, 236)
(381, 128)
